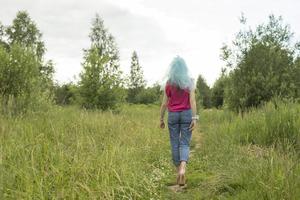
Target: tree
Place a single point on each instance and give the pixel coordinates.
(100, 84)
(149, 95)
(25, 78)
(137, 82)
(20, 83)
(297, 77)
(261, 63)
(203, 93)
(218, 91)
(65, 94)
(2, 35)
(24, 31)
(2, 30)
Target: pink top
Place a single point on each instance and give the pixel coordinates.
(178, 100)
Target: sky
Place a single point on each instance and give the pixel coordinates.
(158, 30)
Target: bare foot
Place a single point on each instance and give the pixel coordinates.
(181, 170)
(181, 174)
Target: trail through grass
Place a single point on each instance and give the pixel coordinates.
(236, 161)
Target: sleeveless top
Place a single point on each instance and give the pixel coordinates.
(178, 99)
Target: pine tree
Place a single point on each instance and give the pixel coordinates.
(137, 82)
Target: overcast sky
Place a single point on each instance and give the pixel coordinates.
(157, 29)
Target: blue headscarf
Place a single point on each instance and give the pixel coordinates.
(178, 75)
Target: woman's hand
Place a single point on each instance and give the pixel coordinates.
(162, 124)
(192, 125)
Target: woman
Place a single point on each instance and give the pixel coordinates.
(179, 99)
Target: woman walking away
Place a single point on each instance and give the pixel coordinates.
(179, 99)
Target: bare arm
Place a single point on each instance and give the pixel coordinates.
(193, 102)
(163, 108)
(194, 109)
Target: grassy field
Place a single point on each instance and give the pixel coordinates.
(68, 153)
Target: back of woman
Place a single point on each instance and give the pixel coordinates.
(179, 99)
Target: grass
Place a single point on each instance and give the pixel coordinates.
(254, 157)
(71, 153)
(68, 153)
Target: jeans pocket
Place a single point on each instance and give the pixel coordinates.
(172, 117)
(186, 116)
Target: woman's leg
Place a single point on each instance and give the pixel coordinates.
(186, 134)
(184, 144)
(174, 131)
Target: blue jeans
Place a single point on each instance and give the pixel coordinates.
(180, 136)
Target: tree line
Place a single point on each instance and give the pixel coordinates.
(26, 77)
(262, 64)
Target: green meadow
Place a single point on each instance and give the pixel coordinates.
(71, 153)
(98, 137)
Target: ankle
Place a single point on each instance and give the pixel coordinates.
(181, 169)
(182, 163)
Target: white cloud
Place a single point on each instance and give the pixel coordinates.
(157, 30)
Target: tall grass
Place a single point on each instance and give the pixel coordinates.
(69, 153)
(269, 126)
(251, 157)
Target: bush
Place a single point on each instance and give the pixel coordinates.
(147, 96)
(21, 86)
(66, 94)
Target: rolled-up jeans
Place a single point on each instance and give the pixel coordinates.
(180, 135)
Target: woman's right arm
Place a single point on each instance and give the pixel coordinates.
(163, 108)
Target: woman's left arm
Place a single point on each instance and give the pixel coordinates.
(194, 109)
